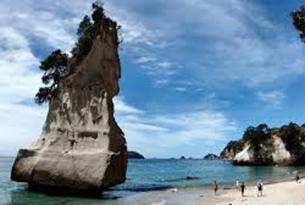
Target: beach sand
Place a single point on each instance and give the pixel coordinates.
(283, 193)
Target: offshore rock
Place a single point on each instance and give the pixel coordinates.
(262, 145)
(211, 156)
(81, 147)
(135, 155)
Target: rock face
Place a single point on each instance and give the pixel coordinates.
(232, 148)
(211, 157)
(264, 146)
(135, 155)
(81, 147)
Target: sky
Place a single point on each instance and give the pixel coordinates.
(195, 73)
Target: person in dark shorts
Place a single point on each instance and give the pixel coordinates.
(259, 188)
(215, 187)
(242, 189)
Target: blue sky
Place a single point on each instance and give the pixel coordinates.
(195, 73)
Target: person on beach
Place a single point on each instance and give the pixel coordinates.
(297, 178)
(259, 188)
(215, 187)
(242, 189)
(237, 185)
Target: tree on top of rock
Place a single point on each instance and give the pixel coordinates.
(88, 30)
(53, 66)
(56, 63)
(298, 18)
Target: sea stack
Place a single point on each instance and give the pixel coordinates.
(81, 147)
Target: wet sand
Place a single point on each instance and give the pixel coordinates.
(282, 193)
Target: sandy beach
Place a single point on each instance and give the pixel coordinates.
(282, 193)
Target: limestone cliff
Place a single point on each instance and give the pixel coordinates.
(81, 147)
(264, 146)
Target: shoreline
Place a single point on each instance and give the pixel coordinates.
(283, 191)
(203, 195)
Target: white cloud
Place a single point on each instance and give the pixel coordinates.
(228, 41)
(145, 59)
(20, 126)
(156, 134)
(40, 23)
(121, 107)
(17, 79)
(272, 98)
(19, 83)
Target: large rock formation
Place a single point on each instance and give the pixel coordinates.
(264, 146)
(135, 155)
(81, 147)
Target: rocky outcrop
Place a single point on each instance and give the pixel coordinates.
(232, 148)
(264, 146)
(211, 157)
(81, 147)
(135, 155)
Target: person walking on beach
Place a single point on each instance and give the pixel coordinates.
(242, 189)
(297, 178)
(215, 187)
(237, 185)
(259, 188)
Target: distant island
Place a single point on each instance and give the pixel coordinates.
(135, 155)
(211, 156)
(262, 145)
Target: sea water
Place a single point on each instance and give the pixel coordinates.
(144, 178)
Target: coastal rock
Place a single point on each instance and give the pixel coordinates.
(81, 147)
(232, 148)
(135, 155)
(211, 156)
(262, 145)
(182, 157)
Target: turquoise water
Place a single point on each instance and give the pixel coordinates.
(145, 176)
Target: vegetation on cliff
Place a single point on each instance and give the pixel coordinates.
(261, 140)
(298, 18)
(57, 63)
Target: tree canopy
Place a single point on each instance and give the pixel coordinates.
(56, 63)
(53, 66)
(298, 18)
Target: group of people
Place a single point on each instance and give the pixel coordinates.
(242, 187)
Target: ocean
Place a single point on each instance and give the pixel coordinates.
(145, 181)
